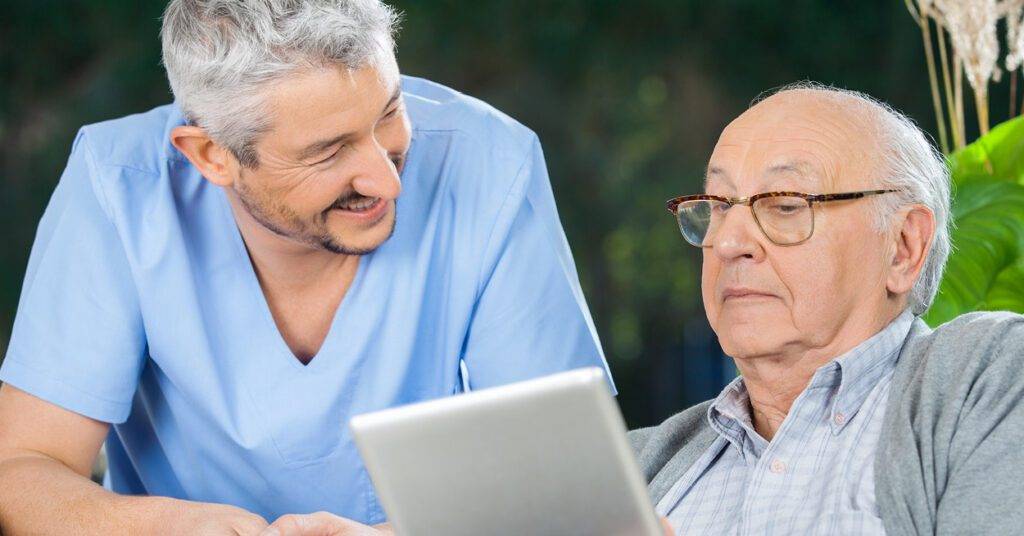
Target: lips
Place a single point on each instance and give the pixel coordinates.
(745, 293)
(362, 204)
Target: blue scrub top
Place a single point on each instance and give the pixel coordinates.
(140, 308)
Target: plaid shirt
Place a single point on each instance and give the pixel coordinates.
(816, 476)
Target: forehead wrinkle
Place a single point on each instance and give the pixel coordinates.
(821, 162)
(832, 137)
(718, 174)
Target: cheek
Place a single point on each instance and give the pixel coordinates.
(314, 193)
(813, 280)
(708, 281)
(396, 138)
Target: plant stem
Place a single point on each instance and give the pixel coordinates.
(940, 121)
(913, 11)
(944, 60)
(1013, 93)
(958, 96)
(981, 106)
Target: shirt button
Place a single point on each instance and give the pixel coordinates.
(839, 419)
(777, 466)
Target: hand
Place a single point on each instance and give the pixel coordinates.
(206, 519)
(669, 531)
(322, 524)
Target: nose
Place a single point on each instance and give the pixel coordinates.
(737, 236)
(375, 173)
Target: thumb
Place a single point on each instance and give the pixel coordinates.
(317, 524)
(669, 531)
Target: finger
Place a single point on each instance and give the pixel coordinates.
(328, 524)
(250, 525)
(284, 526)
(669, 531)
(317, 524)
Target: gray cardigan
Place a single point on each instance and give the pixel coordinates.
(951, 455)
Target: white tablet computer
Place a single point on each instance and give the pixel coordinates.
(542, 457)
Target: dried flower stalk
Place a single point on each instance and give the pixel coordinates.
(972, 28)
(974, 43)
(922, 16)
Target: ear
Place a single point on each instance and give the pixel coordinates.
(913, 240)
(216, 163)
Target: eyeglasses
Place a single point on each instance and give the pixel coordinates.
(785, 218)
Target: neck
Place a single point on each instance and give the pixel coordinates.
(284, 265)
(774, 381)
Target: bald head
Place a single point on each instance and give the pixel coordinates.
(849, 141)
(863, 261)
(811, 136)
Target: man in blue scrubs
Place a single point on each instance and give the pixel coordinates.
(303, 236)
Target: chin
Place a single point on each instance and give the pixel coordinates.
(360, 241)
(748, 336)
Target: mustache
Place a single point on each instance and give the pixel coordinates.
(349, 198)
(398, 159)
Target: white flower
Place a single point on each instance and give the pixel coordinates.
(972, 28)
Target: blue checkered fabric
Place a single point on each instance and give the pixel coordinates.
(816, 476)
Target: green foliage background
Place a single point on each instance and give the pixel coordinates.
(627, 97)
(986, 268)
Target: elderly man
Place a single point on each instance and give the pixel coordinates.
(824, 230)
(228, 279)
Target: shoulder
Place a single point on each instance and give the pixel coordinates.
(655, 446)
(949, 380)
(969, 344)
(953, 424)
(467, 152)
(129, 164)
(138, 141)
(465, 121)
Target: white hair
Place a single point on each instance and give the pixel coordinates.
(910, 164)
(219, 54)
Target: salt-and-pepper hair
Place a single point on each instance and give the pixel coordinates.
(908, 162)
(221, 54)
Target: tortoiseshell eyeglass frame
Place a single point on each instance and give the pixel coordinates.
(673, 205)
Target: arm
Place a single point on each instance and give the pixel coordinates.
(72, 367)
(531, 318)
(46, 454)
(982, 489)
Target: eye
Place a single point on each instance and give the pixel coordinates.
(788, 208)
(392, 113)
(332, 155)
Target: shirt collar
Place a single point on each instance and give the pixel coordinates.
(853, 375)
(729, 415)
(864, 366)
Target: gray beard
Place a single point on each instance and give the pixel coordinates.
(322, 241)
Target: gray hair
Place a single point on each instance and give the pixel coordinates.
(220, 53)
(909, 163)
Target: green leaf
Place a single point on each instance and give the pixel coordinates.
(985, 271)
(999, 155)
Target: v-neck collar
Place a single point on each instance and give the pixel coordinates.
(266, 318)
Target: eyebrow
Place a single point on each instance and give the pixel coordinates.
(799, 168)
(320, 146)
(714, 171)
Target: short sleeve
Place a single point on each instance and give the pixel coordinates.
(78, 340)
(531, 318)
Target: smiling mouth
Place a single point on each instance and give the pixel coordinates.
(364, 204)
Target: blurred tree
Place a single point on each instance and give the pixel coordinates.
(628, 99)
